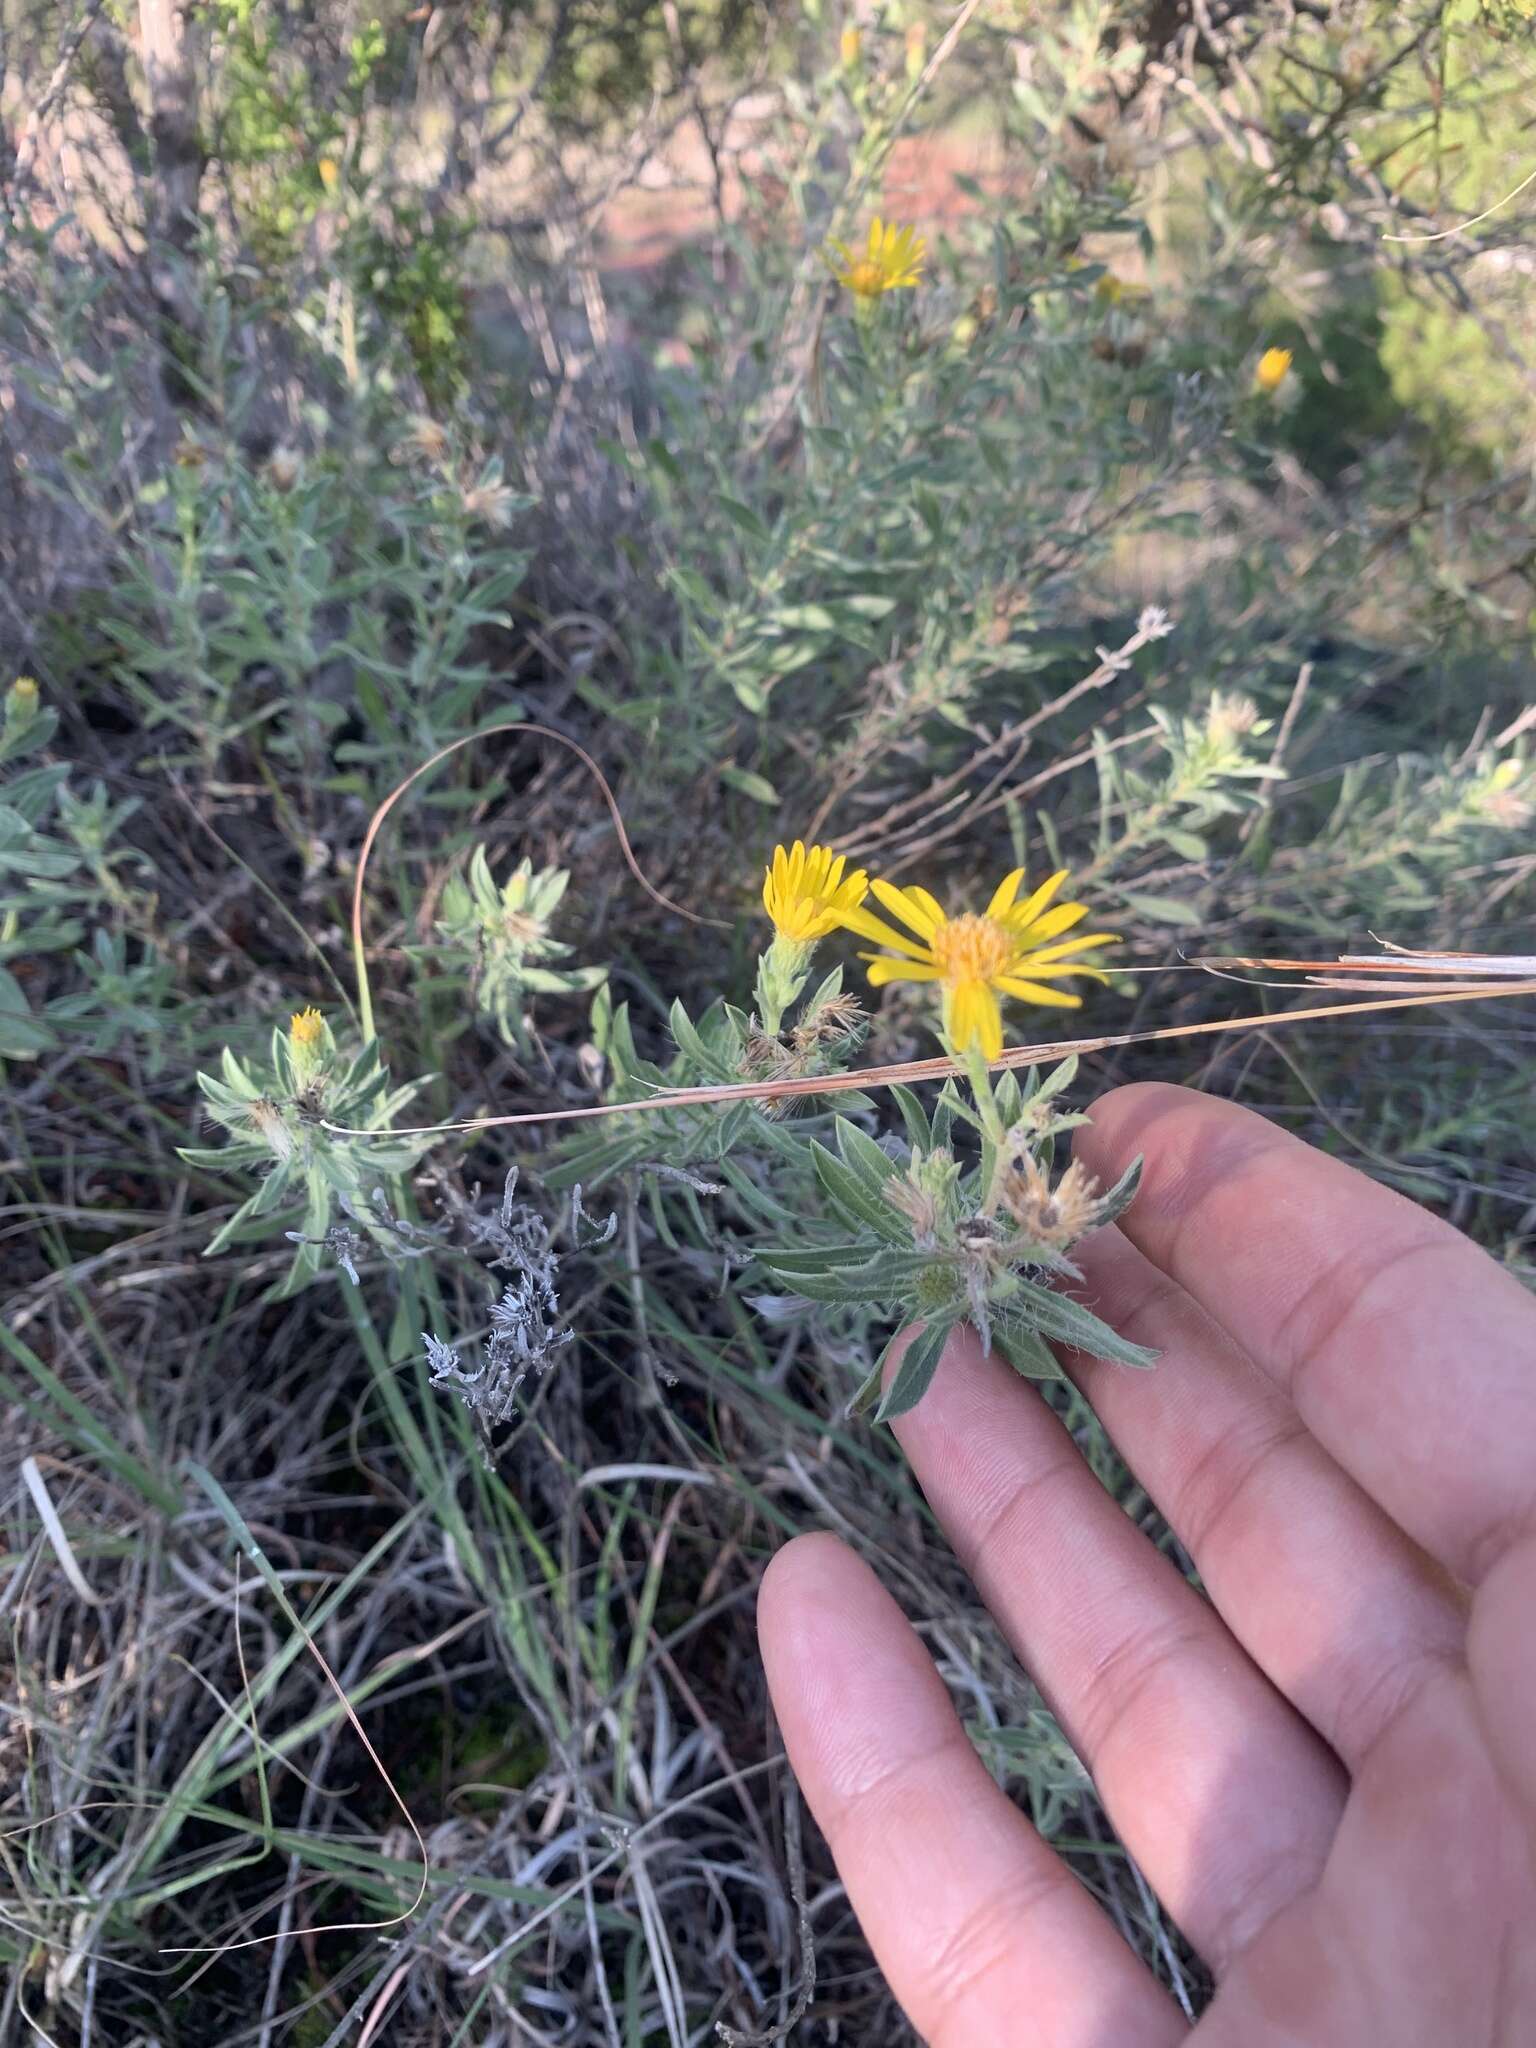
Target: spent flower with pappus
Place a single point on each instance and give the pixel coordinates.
(891, 261)
(278, 1120)
(499, 939)
(1012, 948)
(924, 1243)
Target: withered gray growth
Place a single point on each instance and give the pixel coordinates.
(526, 1327)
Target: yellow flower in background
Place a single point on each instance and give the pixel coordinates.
(892, 261)
(1111, 290)
(849, 44)
(1013, 949)
(809, 893)
(21, 702)
(1274, 366)
(330, 172)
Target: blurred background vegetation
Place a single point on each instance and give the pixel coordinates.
(371, 379)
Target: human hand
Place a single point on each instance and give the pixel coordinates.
(1328, 1770)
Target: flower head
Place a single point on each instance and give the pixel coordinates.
(306, 1030)
(330, 172)
(809, 893)
(892, 260)
(1056, 1216)
(1271, 371)
(1012, 949)
(849, 44)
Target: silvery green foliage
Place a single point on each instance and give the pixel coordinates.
(58, 880)
(497, 938)
(527, 1332)
(935, 1245)
(277, 1121)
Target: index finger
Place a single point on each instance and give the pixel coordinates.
(1407, 1352)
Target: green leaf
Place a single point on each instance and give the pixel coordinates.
(758, 787)
(804, 618)
(22, 1036)
(919, 1363)
(863, 1156)
(914, 1116)
(1026, 1351)
(741, 515)
(1187, 844)
(1065, 1321)
(1120, 1197)
(1162, 909)
(852, 1195)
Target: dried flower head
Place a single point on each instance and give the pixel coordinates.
(492, 502)
(282, 468)
(1507, 796)
(1057, 1217)
(1230, 716)
(835, 1018)
(925, 1194)
(270, 1126)
(424, 439)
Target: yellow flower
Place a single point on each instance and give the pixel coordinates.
(808, 894)
(1116, 291)
(330, 172)
(306, 1030)
(1012, 949)
(21, 703)
(892, 261)
(1274, 366)
(849, 44)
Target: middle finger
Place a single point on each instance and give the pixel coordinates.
(1342, 1610)
(1226, 1799)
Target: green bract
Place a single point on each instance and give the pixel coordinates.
(934, 1245)
(500, 939)
(278, 1124)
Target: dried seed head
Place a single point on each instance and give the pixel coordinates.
(424, 438)
(491, 502)
(1230, 716)
(920, 1208)
(834, 1018)
(266, 1120)
(1057, 1217)
(924, 1194)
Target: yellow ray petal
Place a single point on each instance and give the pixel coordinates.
(1026, 912)
(1004, 893)
(1047, 955)
(975, 1019)
(882, 971)
(908, 906)
(870, 927)
(1037, 992)
(1061, 919)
